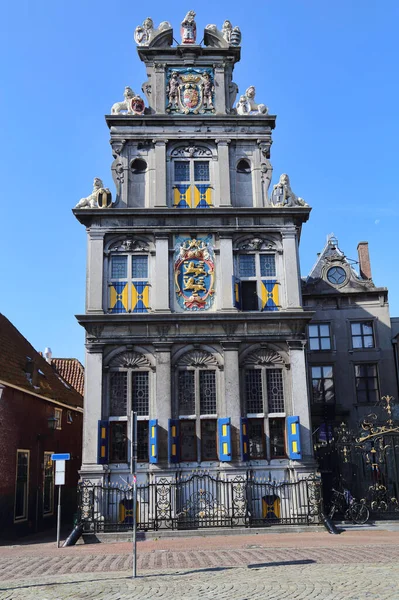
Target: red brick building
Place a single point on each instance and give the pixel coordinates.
(41, 412)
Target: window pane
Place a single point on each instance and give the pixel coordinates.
(267, 265)
(367, 328)
(48, 484)
(356, 329)
(277, 439)
(253, 391)
(370, 369)
(357, 341)
(314, 344)
(118, 394)
(118, 267)
(21, 487)
(142, 441)
(208, 439)
(247, 265)
(316, 372)
(361, 396)
(118, 441)
(201, 170)
(256, 438)
(360, 370)
(188, 441)
(325, 343)
(249, 296)
(207, 392)
(140, 398)
(139, 267)
(368, 341)
(327, 371)
(325, 330)
(313, 331)
(182, 170)
(275, 393)
(186, 393)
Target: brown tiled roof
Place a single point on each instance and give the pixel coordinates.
(72, 371)
(22, 366)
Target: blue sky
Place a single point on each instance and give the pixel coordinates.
(328, 69)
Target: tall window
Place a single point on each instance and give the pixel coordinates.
(366, 379)
(21, 486)
(319, 336)
(58, 417)
(129, 389)
(362, 334)
(257, 279)
(196, 383)
(323, 384)
(48, 484)
(191, 177)
(129, 286)
(265, 405)
(242, 195)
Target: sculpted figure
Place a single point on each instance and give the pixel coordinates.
(188, 28)
(247, 105)
(143, 33)
(173, 91)
(282, 194)
(235, 37)
(208, 89)
(227, 29)
(128, 94)
(92, 200)
(242, 106)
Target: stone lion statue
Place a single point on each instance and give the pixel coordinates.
(247, 105)
(91, 200)
(283, 196)
(126, 104)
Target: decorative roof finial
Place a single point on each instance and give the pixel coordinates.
(188, 28)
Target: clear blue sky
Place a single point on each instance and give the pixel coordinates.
(328, 69)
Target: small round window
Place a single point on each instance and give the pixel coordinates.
(336, 275)
(138, 165)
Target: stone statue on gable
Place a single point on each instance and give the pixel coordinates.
(132, 104)
(145, 33)
(188, 28)
(99, 198)
(247, 105)
(283, 196)
(227, 36)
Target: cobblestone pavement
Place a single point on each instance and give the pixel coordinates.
(353, 566)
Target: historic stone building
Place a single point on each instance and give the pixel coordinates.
(194, 315)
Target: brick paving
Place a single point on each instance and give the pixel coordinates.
(357, 565)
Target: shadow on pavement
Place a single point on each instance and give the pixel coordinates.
(282, 563)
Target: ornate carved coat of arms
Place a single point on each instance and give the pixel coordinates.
(190, 90)
(137, 105)
(194, 273)
(104, 198)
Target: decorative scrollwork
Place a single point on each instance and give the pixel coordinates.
(130, 359)
(197, 358)
(264, 357)
(191, 151)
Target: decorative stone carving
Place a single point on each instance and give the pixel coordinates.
(227, 36)
(146, 33)
(266, 170)
(257, 244)
(130, 359)
(194, 273)
(94, 332)
(264, 357)
(191, 151)
(190, 90)
(247, 105)
(132, 104)
(198, 358)
(117, 147)
(283, 196)
(99, 198)
(188, 29)
(129, 245)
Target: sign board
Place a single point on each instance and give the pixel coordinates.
(65, 456)
(60, 472)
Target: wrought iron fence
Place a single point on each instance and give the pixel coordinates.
(200, 501)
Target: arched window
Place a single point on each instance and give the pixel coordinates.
(137, 183)
(243, 184)
(264, 404)
(191, 177)
(129, 384)
(196, 382)
(128, 276)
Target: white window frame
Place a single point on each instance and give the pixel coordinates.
(50, 513)
(191, 182)
(24, 517)
(58, 417)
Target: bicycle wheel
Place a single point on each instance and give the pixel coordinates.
(359, 513)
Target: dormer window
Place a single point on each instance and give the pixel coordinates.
(336, 275)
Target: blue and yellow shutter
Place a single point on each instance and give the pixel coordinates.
(202, 195)
(224, 436)
(140, 296)
(173, 441)
(244, 439)
(269, 294)
(182, 196)
(103, 435)
(153, 441)
(236, 292)
(118, 297)
(293, 438)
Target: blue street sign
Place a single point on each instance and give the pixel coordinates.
(60, 457)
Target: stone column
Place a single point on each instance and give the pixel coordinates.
(93, 402)
(220, 94)
(232, 405)
(158, 92)
(160, 199)
(300, 395)
(224, 173)
(292, 281)
(160, 292)
(163, 397)
(225, 275)
(94, 272)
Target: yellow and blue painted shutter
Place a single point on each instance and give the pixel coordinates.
(173, 441)
(294, 438)
(140, 296)
(182, 195)
(202, 195)
(153, 441)
(244, 439)
(103, 436)
(269, 294)
(118, 297)
(271, 507)
(237, 292)
(224, 435)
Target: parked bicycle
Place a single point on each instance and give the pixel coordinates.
(344, 503)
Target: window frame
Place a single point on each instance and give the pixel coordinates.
(257, 277)
(323, 379)
(58, 417)
(24, 517)
(50, 512)
(191, 182)
(367, 388)
(362, 335)
(320, 337)
(129, 279)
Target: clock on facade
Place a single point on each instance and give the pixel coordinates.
(336, 275)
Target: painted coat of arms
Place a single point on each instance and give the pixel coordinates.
(190, 90)
(194, 273)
